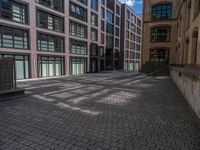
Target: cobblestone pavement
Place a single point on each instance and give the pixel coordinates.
(105, 111)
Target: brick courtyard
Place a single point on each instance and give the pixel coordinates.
(105, 111)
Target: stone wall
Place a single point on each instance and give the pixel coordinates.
(188, 81)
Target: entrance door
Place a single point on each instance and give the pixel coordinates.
(109, 59)
(93, 65)
(102, 65)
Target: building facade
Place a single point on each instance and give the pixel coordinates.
(130, 38)
(60, 37)
(171, 32)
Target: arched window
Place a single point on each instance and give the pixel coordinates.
(160, 34)
(196, 8)
(194, 47)
(186, 51)
(161, 12)
(159, 55)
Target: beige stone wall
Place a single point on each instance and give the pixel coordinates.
(187, 32)
(147, 45)
(183, 25)
(189, 85)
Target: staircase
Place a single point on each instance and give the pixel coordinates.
(156, 68)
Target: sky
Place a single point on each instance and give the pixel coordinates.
(135, 4)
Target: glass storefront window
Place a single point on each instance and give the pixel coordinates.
(21, 65)
(50, 66)
(78, 66)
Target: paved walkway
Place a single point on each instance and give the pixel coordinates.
(106, 111)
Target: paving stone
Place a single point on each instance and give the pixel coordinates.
(114, 110)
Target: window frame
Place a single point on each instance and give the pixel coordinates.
(26, 17)
(54, 18)
(168, 16)
(61, 11)
(80, 43)
(76, 25)
(160, 34)
(13, 31)
(48, 37)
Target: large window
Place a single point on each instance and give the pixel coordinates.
(118, 9)
(196, 8)
(94, 19)
(102, 2)
(117, 32)
(78, 12)
(102, 12)
(94, 34)
(110, 4)
(161, 34)
(54, 4)
(13, 11)
(50, 43)
(49, 21)
(83, 1)
(78, 30)
(21, 65)
(159, 55)
(101, 51)
(102, 38)
(94, 5)
(110, 17)
(109, 42)
(110, 28)
(117, 21)
(13, 38)
(50, 66)
(78, 47)
(139, 31)
(133, 27)
(78, 66)
(102, 26)
(93, 49)
(162, 12)
(139, 23)
(117, 42)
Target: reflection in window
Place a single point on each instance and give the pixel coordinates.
(159, 55)
(161, 34)
(13, 11)
(162, 12)
(94, 34)
(50, 43)
(54, 4)
(94, 19)
(101, 51)
(83, 1)
(13, 38)
(93, 49)
(50, 66)
(109, 42)
(78, 66)
(78, 30)
(78, 47)
(110, 4)
(78, 12)
(102, 12)
(94, 5)
(109, 28)
(21, 65)
(49, 21)
(110, 17)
